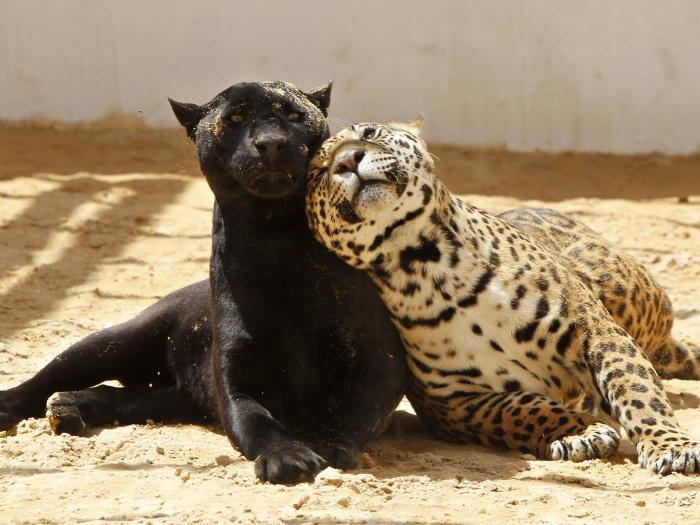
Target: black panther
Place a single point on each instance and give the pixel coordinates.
(287, 348)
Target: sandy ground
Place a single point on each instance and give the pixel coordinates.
(97, 224)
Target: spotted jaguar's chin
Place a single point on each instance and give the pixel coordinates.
(370, 191)
(372, 196)
(366, 198)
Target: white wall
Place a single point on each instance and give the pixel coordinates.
(600, 75)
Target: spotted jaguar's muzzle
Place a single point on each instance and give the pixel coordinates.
(367, 172)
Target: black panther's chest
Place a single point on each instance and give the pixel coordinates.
(293, 301)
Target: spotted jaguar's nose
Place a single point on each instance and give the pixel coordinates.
(347, 160)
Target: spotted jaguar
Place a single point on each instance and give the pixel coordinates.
(523, 330)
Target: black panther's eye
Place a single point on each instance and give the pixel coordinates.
(236, 119)
(368, 133)
(294, 116)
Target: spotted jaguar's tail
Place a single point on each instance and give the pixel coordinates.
(677, 359)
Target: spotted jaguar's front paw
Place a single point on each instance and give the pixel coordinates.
(597, 441)
(663, 458)
(289, 462)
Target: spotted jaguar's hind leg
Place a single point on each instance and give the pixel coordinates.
(531, 423)
(676, 360)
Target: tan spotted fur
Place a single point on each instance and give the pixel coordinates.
(522, 330)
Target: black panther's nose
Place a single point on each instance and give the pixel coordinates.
(269, 144)
(347, 160)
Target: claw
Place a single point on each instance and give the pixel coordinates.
(597, 441)
(664, 459)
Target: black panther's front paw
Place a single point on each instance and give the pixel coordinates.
(288, 462)
(63, 413)
(339, 456)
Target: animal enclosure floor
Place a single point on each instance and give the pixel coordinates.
(97, 224)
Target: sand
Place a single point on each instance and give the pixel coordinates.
(95, 224)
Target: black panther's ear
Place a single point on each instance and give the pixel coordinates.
(188, 115)
(321, 97)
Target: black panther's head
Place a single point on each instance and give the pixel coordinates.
(256, 138)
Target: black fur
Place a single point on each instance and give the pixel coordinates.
(287, 348)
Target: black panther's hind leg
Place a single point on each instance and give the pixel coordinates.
(73, 412)
(135, 352)
(108, 354)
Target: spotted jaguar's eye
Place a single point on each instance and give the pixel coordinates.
(294, 117)
(368, 133)
(236, 119)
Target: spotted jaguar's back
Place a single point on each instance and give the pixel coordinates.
(517, 327)
(625, 287)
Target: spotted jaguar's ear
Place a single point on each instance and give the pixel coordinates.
(188, 115)
(414, 126)
(321, 97)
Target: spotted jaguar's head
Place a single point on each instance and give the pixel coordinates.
(367, 182)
